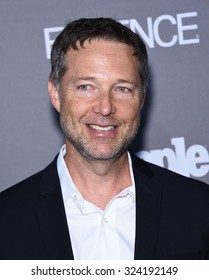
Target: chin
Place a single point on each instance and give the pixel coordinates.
(103, 155)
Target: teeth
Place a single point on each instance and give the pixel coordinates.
(101, 128)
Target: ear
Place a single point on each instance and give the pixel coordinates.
(54, 95)
(142, 103)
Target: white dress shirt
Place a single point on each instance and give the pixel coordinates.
(98, 234)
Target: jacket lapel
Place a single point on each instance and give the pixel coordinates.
(53, 224)
(148, 198)
(51, 215)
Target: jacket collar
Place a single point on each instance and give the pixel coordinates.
(51, 215)
(53, 223)
(148, 198)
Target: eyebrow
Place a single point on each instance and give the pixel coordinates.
(77, 79)
(125, 81)
(118, 81)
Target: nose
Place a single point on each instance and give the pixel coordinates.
(105, 105)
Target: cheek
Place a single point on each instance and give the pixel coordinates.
(74, 109)
(131, 112)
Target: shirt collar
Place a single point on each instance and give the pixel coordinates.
(68, 187)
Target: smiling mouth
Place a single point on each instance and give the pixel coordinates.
(101, 128)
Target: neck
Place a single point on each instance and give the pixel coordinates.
(98, 181)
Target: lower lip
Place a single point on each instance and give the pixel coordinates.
(102, 133)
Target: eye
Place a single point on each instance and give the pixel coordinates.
(122, 90)
(85, 87)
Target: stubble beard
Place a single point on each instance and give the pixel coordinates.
(89, 151)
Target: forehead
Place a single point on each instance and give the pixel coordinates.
(107, 56)
(101, 46)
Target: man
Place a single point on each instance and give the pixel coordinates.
(96, 200)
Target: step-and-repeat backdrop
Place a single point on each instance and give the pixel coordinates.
(175, 126)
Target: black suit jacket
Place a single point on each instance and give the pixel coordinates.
(172, 216)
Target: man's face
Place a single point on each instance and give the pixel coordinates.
(100, 99)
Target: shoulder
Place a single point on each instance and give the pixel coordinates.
(29, 187)
(175, 193)
(169, 180)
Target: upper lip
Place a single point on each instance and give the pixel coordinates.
(102, 122)
(101, 125)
